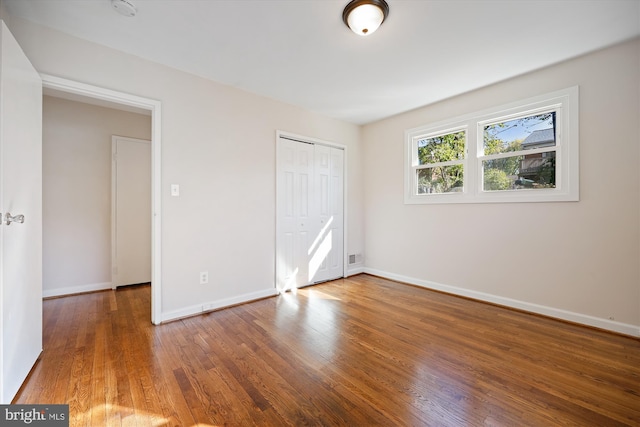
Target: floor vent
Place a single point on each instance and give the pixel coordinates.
(355, 258)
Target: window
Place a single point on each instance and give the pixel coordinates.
(519, 153)
(523, 152)
(440, 161)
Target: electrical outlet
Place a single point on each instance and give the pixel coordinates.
(204, 277)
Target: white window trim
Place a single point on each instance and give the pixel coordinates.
(564, 102)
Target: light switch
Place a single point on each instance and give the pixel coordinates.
(175, 190)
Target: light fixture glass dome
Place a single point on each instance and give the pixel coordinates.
(364, 17)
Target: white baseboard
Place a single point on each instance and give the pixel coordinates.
(585, 319)
(352, 271)
(215, 305)
(70, 290)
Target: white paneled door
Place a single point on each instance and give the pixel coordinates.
(131, 211)
(310, 213)
(21, 208)
(327, 250)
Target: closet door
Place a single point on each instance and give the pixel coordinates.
(309, 214)
(131, 211)
(326, 254)
(295, 207)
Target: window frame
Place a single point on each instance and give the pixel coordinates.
(563, 102)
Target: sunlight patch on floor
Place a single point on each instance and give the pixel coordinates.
(115, 414)
(316, 294)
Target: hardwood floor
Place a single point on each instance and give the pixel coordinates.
(361, 351)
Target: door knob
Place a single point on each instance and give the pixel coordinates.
(8, 218)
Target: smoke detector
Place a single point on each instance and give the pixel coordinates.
(124, 7)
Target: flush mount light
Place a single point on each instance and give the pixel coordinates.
(365, 16)
(124, 7)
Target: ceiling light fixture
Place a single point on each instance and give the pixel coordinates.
(363, 17)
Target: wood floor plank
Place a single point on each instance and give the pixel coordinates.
(361, 351)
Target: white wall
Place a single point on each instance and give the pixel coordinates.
(575, 260)
(218, 143)
(76, 140)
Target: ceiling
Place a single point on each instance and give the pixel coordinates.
(301, 53)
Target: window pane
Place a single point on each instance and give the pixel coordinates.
(533, 171)
(441, 179)
(441, 148)
(525, 133)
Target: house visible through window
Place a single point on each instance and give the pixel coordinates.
(530, 142)
(523, 152)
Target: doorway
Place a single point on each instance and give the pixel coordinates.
(310, 217)
(100, 96)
